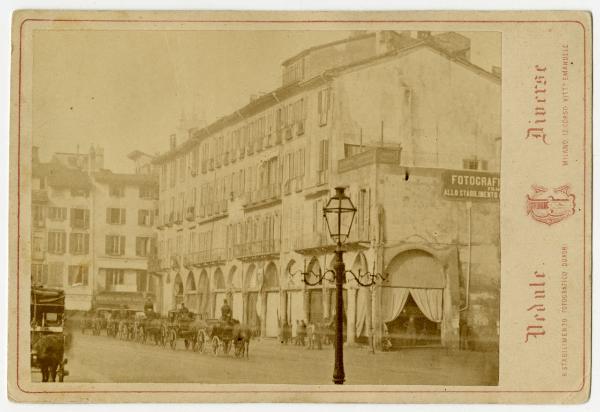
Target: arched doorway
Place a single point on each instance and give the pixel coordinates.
(251, 315)
(203, 294)
(177, 290)
(412, 299)
(219, 287)
(295, 298)
(234, 285)
(362, 303)
(190, 295)
(271, 290)
(314, 294)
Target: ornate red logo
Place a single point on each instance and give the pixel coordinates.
(550, 206)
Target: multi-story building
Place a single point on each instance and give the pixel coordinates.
(390, 116)
(93, 231)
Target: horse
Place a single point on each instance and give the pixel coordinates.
(241, 335)
(50, 352)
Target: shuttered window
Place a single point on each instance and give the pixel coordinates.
(115, 245)
(57, 242)
(115, 216)
(80, 218)
(79, 243)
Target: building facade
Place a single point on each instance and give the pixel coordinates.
(93, 231)
(399, 119)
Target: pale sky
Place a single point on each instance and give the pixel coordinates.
(127, 90)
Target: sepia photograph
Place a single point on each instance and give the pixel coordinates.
(266, 206)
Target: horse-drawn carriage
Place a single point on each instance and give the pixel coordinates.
(149, 327)
(127, 324)
(220, 336)
(48, 338)
(181, 325)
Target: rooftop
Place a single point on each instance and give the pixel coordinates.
(447, 44)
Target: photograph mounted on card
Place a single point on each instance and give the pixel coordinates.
(300, 207)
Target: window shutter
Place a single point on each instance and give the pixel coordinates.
(325, 154)
(107, 245)
(86, 243)
(121, 245)
(123, 216)
(71, 275)
(63, 246)
(138, 246)
(108, 215)
(72, 217)
(140, 217)
(72, 248)
(86, 218)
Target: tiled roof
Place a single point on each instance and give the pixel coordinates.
(60, 176)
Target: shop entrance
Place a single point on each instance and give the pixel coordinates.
(412, 328)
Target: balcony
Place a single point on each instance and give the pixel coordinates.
(370, 156)
(264, 196)
(257, 249)
(179, 218)
(212, 211)
(189, 215)
(204, 257)
(300, 128)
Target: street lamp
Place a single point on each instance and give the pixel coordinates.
(339, 215)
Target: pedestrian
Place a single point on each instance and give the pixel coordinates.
(302, 333)
(311, 335)
(297, 336)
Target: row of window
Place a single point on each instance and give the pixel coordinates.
(118, 216)
(144, 192)
(79, 244)
(80, 217)
(270, 128)
(257, 183)
(51, 274)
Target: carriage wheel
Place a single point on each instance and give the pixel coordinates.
(173, 339)
(163, 336)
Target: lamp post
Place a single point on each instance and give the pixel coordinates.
(339, 215)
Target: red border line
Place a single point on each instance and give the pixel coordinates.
(312, 22)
